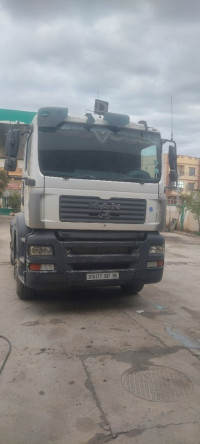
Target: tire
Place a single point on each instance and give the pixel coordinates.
(133, 288)
(23, 292)
(12, 250)
(12, 257)
(19, 231)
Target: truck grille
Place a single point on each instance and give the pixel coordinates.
(101, 250)
(94, 209)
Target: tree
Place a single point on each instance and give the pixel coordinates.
(14, 201)
(192, 204)
(4, 179)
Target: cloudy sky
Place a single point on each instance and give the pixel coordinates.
(136, 54)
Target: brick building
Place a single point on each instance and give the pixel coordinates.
(188, 169)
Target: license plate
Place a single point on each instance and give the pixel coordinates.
(101, 276)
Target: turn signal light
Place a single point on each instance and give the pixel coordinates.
(41, 267)
(34, 267)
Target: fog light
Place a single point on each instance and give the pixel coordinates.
(47, 267)
(151, 264)
(40, 250)
(156, 264)
(157, 249)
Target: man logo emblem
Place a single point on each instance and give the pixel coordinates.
(104, 215)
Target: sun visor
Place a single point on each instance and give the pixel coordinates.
(115, 119)
(51, 117)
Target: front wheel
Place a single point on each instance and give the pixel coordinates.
(23, 292)
(133, 288)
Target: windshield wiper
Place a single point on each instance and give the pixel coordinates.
(136, 180)
(80, 177)
(87, 176)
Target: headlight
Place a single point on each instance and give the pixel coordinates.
(40, 250)
(157, 249)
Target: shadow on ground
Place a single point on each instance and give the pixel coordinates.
(84, 300)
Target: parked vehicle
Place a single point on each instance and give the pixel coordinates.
(93, 202)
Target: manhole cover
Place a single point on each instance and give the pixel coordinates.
(156, 383)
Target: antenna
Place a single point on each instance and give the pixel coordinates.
(171, 119)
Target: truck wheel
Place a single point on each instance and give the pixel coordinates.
(12, 251)
(12, 257)
(23, 292)
(132, 289)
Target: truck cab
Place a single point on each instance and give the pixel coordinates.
(93, 203)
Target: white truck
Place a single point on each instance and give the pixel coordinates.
(93, 202)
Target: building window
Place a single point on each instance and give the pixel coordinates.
(191, 171)
(181, 170)
(190, 186)
(180, 185)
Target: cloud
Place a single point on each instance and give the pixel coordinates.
(136, 54)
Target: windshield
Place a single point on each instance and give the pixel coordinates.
(99, 153)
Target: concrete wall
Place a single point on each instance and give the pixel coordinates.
(189, 223)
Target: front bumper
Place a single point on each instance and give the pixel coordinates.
(79, 253)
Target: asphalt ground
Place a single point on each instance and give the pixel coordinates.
(94, 366)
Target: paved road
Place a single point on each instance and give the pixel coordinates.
(98, 367)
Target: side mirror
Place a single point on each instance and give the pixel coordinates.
(173, 176)
(12, 143)
(172, 157)
(10, 164)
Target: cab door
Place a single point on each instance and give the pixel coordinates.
(32, 185)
